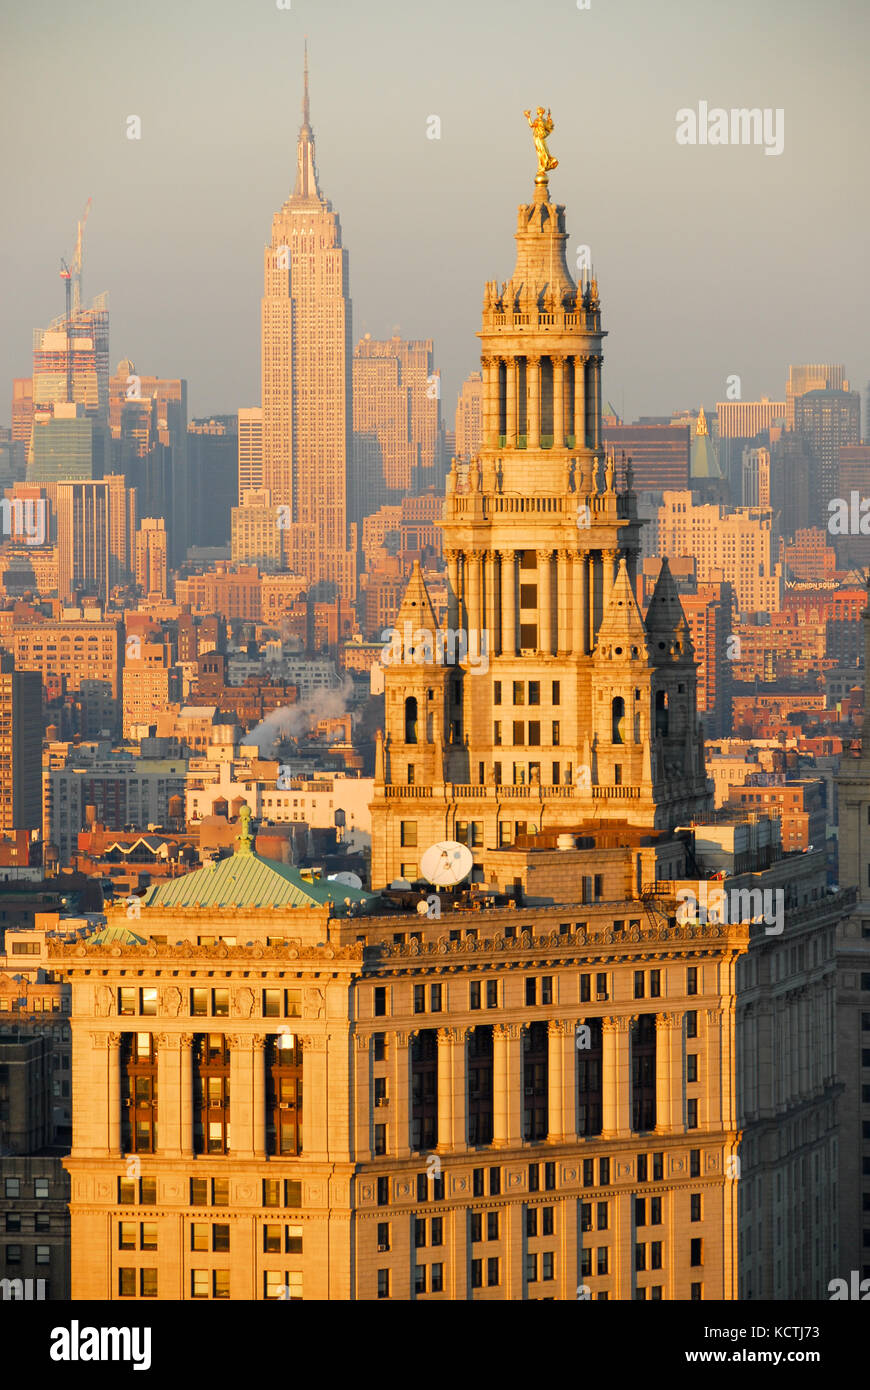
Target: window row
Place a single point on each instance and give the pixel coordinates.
(205, 1003)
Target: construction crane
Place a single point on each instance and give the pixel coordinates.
(72, 277)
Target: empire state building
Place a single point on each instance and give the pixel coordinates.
(306, 372)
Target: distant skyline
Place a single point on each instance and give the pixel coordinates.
(711, 261)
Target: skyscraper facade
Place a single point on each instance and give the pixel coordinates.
(816, 376)
(20, 747)
(250, 448)
(306, 375)
(396, 422)
(469, 418)
(96, 529)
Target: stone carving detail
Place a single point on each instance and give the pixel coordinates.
(243, 1003)
(170, 1001)
(104, 1001)
(507, 1030)
(312, 1005)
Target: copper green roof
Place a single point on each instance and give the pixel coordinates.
(115, 936)
(246, 879)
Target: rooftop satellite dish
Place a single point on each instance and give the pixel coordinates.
(400, 885)
(347, 878)
(446, 863)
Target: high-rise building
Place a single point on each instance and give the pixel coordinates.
(67, 445)
(71, 362)
(306, 366)
(734, 544)
(151, 567)
(214, 451)
(818, 376)
(746, 419)
(20, 747)
(250, 448)
(469, 418)
(555, 702)
(257, 533)
(660, 452)
(148, 418)
(96, 529)
(22, 409)
(756, 478)
(826, 420)
(396, 422)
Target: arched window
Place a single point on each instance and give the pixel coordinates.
(617, 719)
(662, 713)
(411, 719)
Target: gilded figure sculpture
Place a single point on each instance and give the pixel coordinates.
(541, 127)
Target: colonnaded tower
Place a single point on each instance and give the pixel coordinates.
(579, 711)
(306, 366)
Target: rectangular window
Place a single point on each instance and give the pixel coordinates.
(531, 990)
(380, 1000)
(477, 1274)
(148, 1235)
(220, 1192)
(435, 999)
(271, 1240)
(126, 1283)
(692, 1067)
(585, 988)
(534, 692)
(220, 1238)
(556, 735)
(419, 999)
(692, 1024)
(603, 1259)
(692, 979)
(691, 1114)
(126, 1001)
(557, 692)
(220, 1003)
(474, 994)
(409, 834)
(519, 693)
(640, 1211)
(492, 1225)
(695, 1207)
(694, 1163)
(126, 1235)
(696, 1251)
(271, 1003)
(546, 989)
(492, 994)
(519, 733)
(655, 1211)
(638, 984)
(437, 1275)
(496, 693)
(271, 1192)
(492, 1272)
(148, 1283)
(655, 984)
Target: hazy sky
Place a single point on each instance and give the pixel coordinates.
(711, 260)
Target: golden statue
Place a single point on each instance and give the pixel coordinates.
(541, 127)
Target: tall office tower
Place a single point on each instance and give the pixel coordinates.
(469, 418)
(853, 996)
(819, 376)
(736, 544)
(250, 448)
(257, 536)
(706, 478)
(20, 747)
(793, 485)
(826, 420)
(148, 420)
(746, 419)
(396, 422)
(71, 361)
(151, 565)
(306, 366)
(22, 409)
(579, 708)
(756, 478)
(145, 684)
(67, 445)
(213, 452)
(96, 528)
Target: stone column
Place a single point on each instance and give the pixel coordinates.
(363, 1103)
(113, 1041)
(608, 564)
(489, 572)
(169, 1094)
(591, 584)
(315, 1125)
(562, 1081)
(452, 560)
(258, 1068)
(616, 1077)
(509, 602)
(511, 401)
(545, 602)
(558, 402)
(473, 619)
(596, 402)
(533, 392)
(185, 1044)
(710, 1062)
(579, 402)
(669, 1073)
(490, 400)
(401, 1108)
(563, 601)
(507, 1084)
(452, 1089)
(579, 604)
(241, 1096)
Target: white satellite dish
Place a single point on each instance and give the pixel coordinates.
(400, 885)
(347, 878)
(447, 863)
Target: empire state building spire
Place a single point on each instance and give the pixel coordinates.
(306, 170)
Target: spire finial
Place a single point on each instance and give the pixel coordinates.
(245, 838)
(305, 110)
